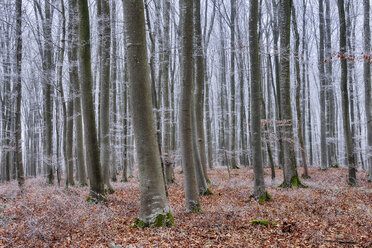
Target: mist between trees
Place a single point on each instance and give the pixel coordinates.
(92, 90)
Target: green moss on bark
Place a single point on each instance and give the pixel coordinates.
(265, 198)
(295, 183)
(162, 220)
(207, 192)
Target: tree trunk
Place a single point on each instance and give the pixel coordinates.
(154, 209)
(48, 113)
(289, 169)
(322, 82)
(367, 83)
(105, 94)
(345, 97)
(298, 94)
(199, 90)
(73, 33)
(259, 192)
(90, 132)
(18, 89)
(185, 108)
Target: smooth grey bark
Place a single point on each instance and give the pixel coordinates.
(154, 202)
(290, 168)
(199, 90)
(322, 81)
(73, 35)
(115, 88)
(367, 82)
(48, 72)
(90, 132)
(185, 108)
(330, 94)
(298, 94)
(345, 96)
(232, 83)
(259, 192)
(18, 90)
(105, 93)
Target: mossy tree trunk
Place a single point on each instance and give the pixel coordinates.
(90, 131)
(154, 210)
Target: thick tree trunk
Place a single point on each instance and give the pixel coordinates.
(259, 192)
(289, 169)
(73, 33)
(90, 132)
(105, 93)
(154, 209)
(185, 109)
(345, 97)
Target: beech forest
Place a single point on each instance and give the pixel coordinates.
(185, 123)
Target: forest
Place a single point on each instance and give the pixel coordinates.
(185, 123)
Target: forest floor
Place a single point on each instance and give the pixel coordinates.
(326, 214)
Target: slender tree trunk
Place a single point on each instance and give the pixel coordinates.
(298, 94)
(199, 89)
(114, 83)
(345, 96)
(322, 81)
(331, 107)
(232, 82)
(90, 132)
(154, 209)
(367, 83)
(48, 113)
(18, 87)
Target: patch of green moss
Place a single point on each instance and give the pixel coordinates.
(162, 220)
(334, 166)
(235, 167)
(208, 181)
(263, 222)
(265, 198)
(323, 169)
(208, 192)
(295, 183)
(83, 185)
